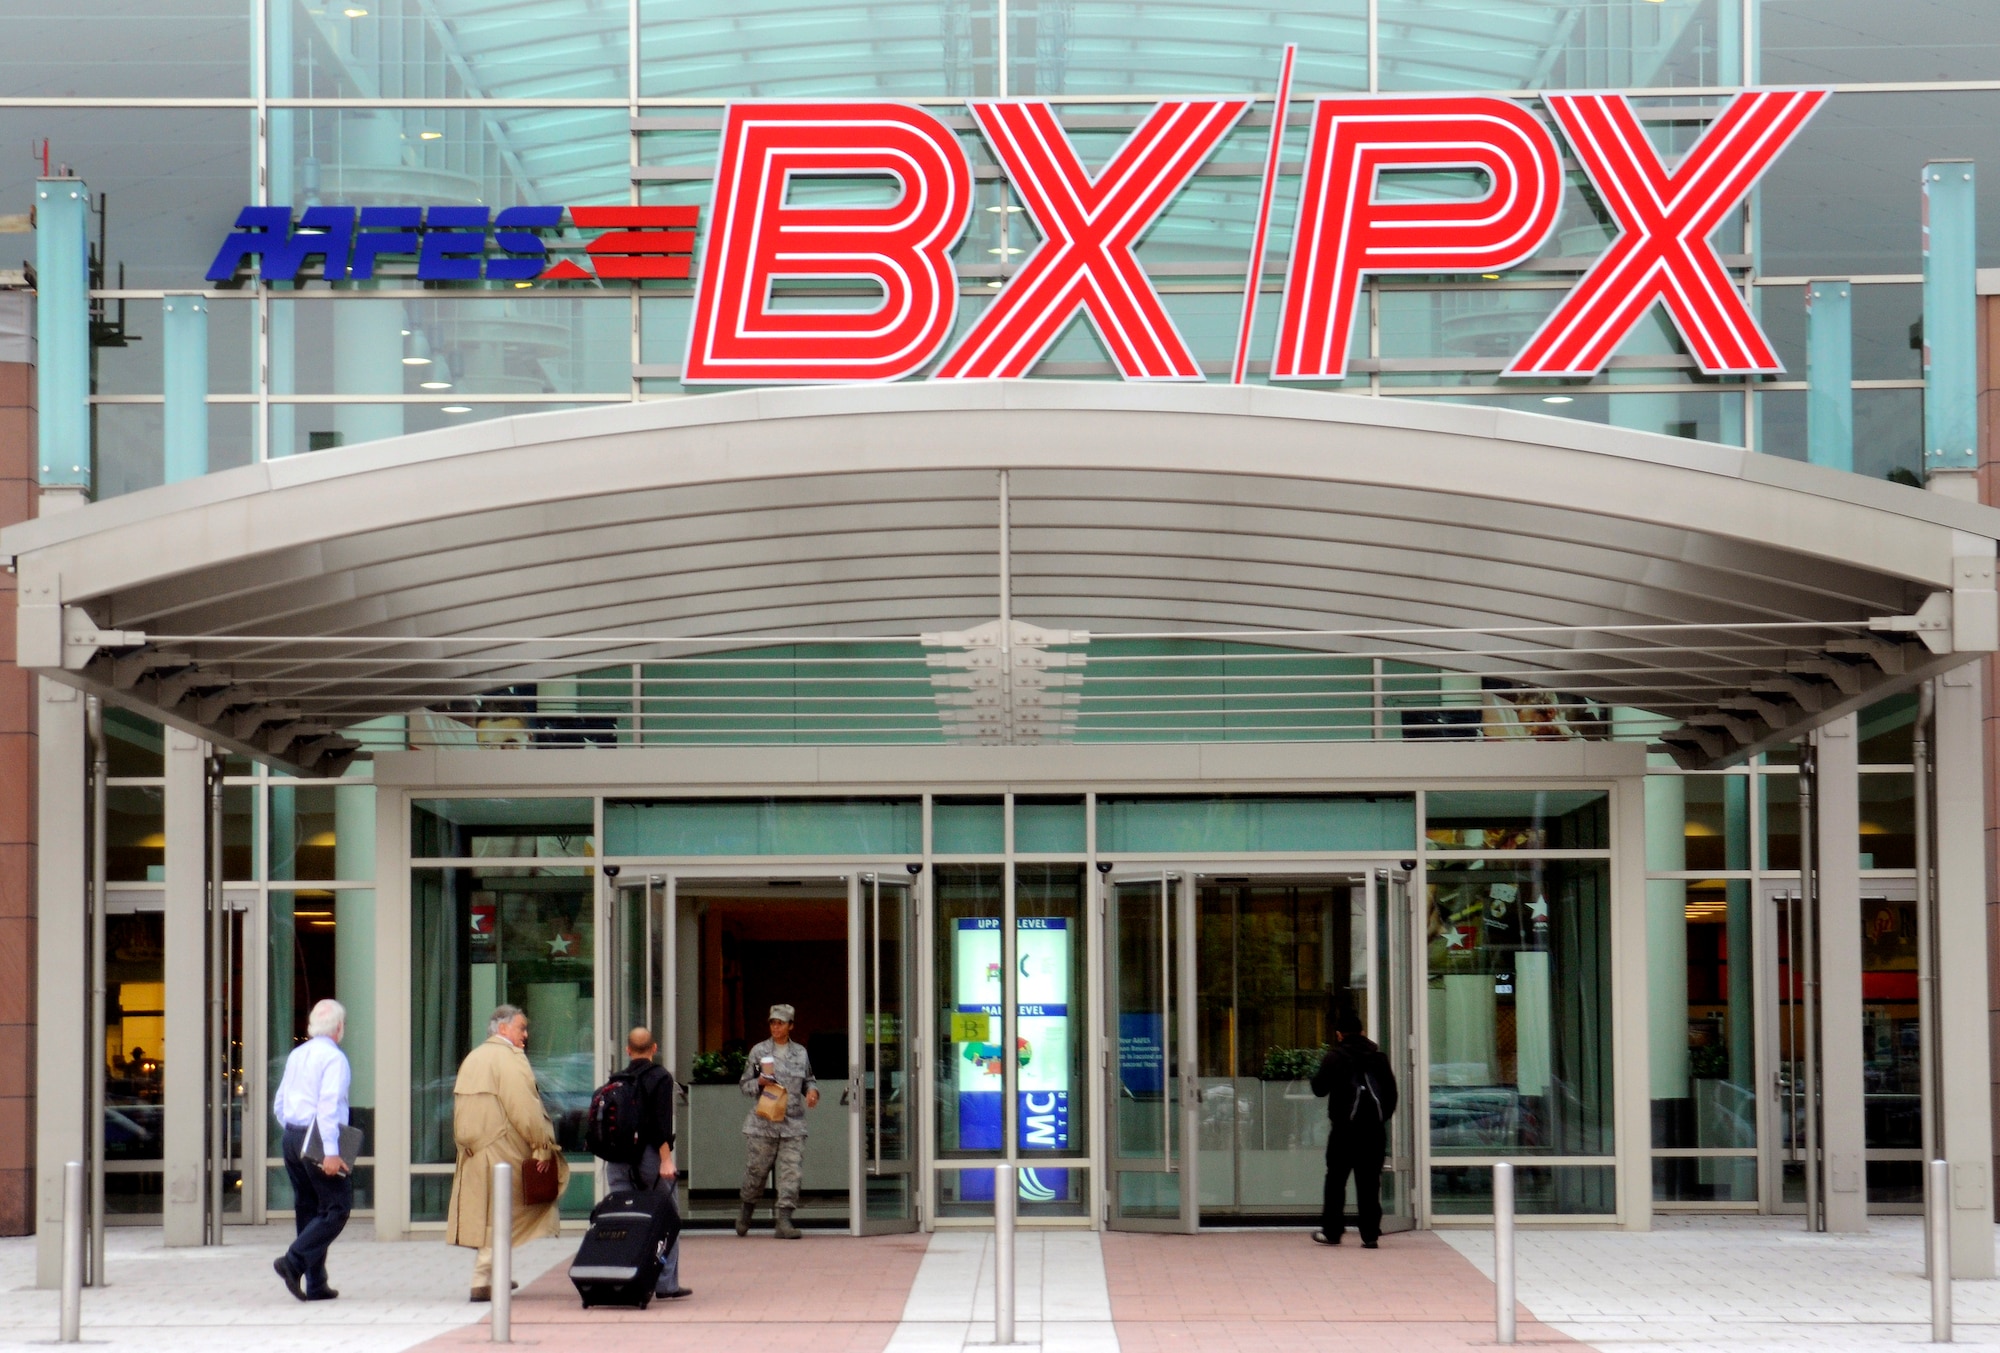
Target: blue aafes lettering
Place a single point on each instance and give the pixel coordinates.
(447, 243)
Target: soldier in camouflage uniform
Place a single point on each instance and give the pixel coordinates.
(780, 1144)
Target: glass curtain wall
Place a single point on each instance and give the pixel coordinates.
(492, 923)
(404, 105)
(1519, 998)
(1722, 859)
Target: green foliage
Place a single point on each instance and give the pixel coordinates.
(717, 1068)
(1709, 1062)
(1291, 1064)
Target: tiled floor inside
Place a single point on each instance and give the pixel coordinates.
(1691, 1284)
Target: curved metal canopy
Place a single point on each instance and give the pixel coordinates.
(1739, 597)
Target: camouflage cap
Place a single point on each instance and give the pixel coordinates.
(782, 1012)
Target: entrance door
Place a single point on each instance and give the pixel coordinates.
(882, 983)
(1150, 1075)
(1279, 957)
(700, 958)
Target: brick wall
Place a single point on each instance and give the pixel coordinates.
(19, 490)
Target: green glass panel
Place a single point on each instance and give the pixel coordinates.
(764, 827)
(1049, 826)
(968, 827)
(1244, 823)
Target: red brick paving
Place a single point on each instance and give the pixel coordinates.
(1277, 1292)
(826, 1294)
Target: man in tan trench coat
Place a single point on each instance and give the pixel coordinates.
(497, 1115)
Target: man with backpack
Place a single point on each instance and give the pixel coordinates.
(1360, 1093)
(631, 1129)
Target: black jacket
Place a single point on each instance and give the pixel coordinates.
(656, 1089)
(1340, 1077)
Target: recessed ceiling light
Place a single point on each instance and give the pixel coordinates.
(416, 361)
(458, 408)
(406, 333)
(1489, 276)
(1005, 208)
(997, 283)
(436, 385)
(1556, 399)
(431, 136)
(355, 12)
(521, 286)
(1007, 251)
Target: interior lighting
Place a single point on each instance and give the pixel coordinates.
(434, 385)
(1005, 207)
(355, 12)
(458, 408)
(414, 360)
(522, 286)
(430, 136)
(1005, 251)
(1491, 276)
(406, 333)
(1556, 399)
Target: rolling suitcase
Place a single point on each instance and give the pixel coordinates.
(619, 1260)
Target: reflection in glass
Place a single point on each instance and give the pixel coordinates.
(135, 834)
(1891, 1043)
(1888, 821)
(1527, 44)
(1703, 1035)
(1520, 1009)
(1525, 819)
(487, 935)
(500, 828)
(1145, 982)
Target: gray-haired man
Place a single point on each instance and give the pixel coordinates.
(777, 1061)
(312, 1103)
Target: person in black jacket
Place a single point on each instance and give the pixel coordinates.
(655, 1172)
(1360, 1093)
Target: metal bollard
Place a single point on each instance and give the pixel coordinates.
(1005, 1192)
(1503, 1253)
(1937, 1220)
(503, 1252)
(72, 1252)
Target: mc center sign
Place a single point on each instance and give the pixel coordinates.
(761, 238)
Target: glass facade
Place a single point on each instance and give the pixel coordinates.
(452, 103)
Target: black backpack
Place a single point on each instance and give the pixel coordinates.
(614, 1130)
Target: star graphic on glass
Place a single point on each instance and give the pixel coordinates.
(559, 946)
(1454, 938)
(1538, 909)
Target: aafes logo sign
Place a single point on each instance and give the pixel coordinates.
(759, 239)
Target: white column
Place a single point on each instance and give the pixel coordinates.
(392, 1013)
(1837, 857)
(1630, 1002)
(185, 1118)
(1963, 1070)
(354, 932)
(62, 1054)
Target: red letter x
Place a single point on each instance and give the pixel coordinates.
(1664, 253)
(1089, 228)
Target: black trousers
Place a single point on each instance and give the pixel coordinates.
(1364, 1162)
(321, 1202)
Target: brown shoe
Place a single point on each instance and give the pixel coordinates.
(482, 1294)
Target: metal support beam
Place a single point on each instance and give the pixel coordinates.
(1837, 859)
(62, 320)
(1951, 333)
(1964, 1072)
(185, 1118)
(1830, 374)
(62, 1048)
(184, 372)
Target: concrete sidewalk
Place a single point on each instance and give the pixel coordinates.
(1742, 1284)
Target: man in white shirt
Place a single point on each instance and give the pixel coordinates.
(311, 1105)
